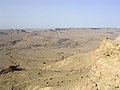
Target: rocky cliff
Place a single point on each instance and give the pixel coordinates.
(105, 72)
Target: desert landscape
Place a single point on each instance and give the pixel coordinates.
(60, 59)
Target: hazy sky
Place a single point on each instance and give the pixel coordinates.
(59, 13)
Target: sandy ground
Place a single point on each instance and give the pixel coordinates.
(54, 59)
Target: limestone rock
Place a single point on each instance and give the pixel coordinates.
(105, 72)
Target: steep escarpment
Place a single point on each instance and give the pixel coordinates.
(105, 72)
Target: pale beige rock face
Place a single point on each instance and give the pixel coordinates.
(105, 72)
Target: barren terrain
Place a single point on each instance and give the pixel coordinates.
(58, 59)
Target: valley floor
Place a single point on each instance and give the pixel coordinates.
(49, 59)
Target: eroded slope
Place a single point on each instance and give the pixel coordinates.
(105, 72)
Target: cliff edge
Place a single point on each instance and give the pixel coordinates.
(105, 72)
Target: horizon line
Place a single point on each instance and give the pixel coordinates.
(69, 28)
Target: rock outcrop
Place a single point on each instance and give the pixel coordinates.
(105, 72)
